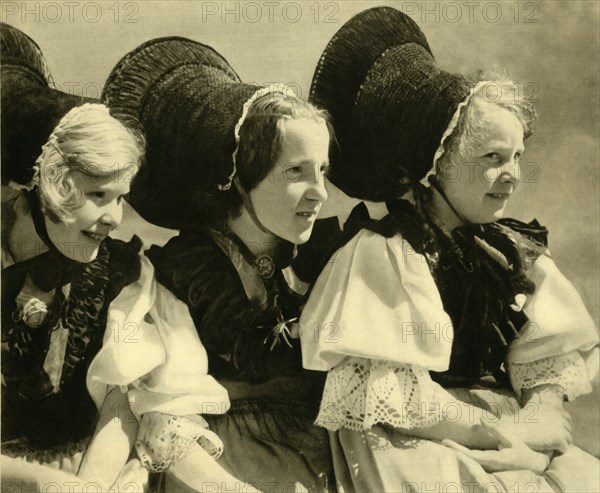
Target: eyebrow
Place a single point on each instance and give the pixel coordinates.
(306, 162)
(498, 145)
(105, 187)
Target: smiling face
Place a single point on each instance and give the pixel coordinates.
(288, 200)
(101, 210)
(479, 180)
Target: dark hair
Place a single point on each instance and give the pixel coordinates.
(261, 136)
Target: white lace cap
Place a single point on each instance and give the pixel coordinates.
(451, 126)
(281, 88)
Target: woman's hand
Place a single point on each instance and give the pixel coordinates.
(545, 394)
(201, 472)
(512, 454)
(545, 428)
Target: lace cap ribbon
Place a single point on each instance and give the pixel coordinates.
(451, 126)
(272, 88)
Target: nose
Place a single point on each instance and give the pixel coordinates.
(316, 189)
(112, 214)
(510, 172)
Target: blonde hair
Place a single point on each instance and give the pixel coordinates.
(87, 140)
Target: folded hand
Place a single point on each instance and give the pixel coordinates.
(512, 454)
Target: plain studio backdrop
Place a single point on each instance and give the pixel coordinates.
(550, 47)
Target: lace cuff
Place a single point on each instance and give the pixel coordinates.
(569, 371)
(360, 393)
(163, 439)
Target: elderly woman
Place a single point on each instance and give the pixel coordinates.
(439, 319)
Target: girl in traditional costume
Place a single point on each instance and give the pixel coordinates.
(239, 169)
(90, 341)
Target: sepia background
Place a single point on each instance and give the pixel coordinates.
(551, 47)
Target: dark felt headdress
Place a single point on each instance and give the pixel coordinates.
(390, 103)
(31, 107)
(190, 103)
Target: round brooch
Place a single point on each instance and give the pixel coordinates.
(265, 266)
(33, 314)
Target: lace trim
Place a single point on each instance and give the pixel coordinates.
(360, 393)
(286, 91)
(164, 439)
(568, 371)
(449, 129)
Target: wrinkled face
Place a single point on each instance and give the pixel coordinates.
(480, 180)
(288, 200)
(100, 213)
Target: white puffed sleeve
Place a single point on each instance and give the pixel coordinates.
(559, 343)
(375, 319)
(151, 348)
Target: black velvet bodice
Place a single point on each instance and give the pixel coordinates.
(237, 330)
(32, 408)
